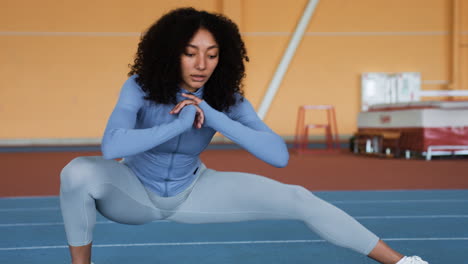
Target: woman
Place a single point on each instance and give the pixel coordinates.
(185, 85)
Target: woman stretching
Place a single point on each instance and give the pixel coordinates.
(184, 85)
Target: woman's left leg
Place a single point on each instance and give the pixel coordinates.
(233, 196)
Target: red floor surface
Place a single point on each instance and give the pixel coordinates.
(37, 173)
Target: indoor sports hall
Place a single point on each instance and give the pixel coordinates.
(370, 98)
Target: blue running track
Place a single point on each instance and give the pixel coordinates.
(432, 224)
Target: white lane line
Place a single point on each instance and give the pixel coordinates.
(330, 201)
(31, 224)
(214, 243)
(176, 244)
(427, 239)
(30, 209)
(400, 201)
(231, 243)
(411, 216)
(61, 223)
(166, 221)
(46, 224)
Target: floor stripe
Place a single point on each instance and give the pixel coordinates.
(400, 201)
(411, 216)
(428, 239)
(32, 224)
(330, 201)
(33, 197)
(61, 223)
(30, 209)
(166, 221)
(75, 34)
(283, 33)
(230, 243)
(332, 34)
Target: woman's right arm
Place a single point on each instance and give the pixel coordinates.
(121, 139)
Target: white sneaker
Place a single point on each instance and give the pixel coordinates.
(412, 260)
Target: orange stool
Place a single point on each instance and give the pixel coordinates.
(301, 139)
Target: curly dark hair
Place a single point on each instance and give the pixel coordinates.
(157, 61)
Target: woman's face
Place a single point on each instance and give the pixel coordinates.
(199, 60)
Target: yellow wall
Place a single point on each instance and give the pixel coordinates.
(463, 13)
(63, 62)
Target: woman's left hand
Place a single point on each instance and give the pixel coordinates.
(193, 100)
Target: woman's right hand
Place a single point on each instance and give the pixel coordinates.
(199, 117)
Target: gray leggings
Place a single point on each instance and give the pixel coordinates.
(90, 183)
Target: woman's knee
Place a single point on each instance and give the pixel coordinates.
(78, 172)
(300, 193)
(304, 200)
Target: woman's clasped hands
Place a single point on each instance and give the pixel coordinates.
(192, 100)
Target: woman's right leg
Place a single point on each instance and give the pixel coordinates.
(90, 183)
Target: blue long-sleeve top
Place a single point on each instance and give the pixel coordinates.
(163, 149)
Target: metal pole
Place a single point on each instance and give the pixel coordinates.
(287, 57)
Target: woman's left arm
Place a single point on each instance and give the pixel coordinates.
(247, 130)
